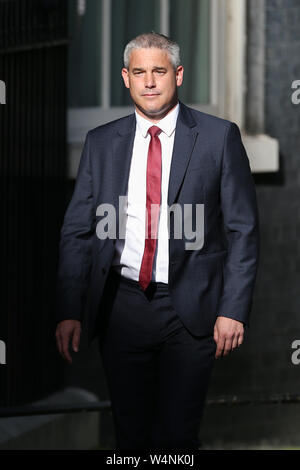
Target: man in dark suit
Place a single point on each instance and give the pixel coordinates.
(163, 309)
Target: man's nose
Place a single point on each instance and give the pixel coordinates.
(149, 81)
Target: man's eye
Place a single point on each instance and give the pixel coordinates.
(138, 73)
(160, 72)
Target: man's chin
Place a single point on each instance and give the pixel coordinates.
(155, 112)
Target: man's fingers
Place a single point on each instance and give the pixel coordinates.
(220, 347)
(227, 346)
(240, 339)
(62, 340)
(65, 347)
(228, 335)
(67, 331)
(76, 338)
(235, 342)
(216, 335)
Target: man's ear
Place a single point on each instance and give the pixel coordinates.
(125, 77)
(179, 75)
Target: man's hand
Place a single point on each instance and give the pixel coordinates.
(67, 330)
(228, 334)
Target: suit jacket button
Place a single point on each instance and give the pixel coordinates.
(103, 270)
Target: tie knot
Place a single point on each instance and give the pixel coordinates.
(154, 131)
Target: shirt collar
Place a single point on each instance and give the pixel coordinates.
(167, 124)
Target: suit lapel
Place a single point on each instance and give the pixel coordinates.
(121, 158)
(122, 153)
(185, 139)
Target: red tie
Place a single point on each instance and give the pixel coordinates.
(153, 198)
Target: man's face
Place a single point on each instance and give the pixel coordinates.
(152, 82)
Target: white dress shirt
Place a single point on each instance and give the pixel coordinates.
(129, 251)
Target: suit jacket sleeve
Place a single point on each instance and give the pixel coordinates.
(76, 244)
(241, 224)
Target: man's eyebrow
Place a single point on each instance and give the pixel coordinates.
(156, 67)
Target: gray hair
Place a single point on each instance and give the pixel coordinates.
(159, 41)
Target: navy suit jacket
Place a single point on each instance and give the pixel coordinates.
(209, 166)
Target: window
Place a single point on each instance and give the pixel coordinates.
(99, 31)
(189, 26)
(212, 36)
(84, 53)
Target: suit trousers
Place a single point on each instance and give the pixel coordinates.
(157, 372)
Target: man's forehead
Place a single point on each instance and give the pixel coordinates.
(148, 57)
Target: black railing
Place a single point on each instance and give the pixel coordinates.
(32, 410)
(31, 22)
